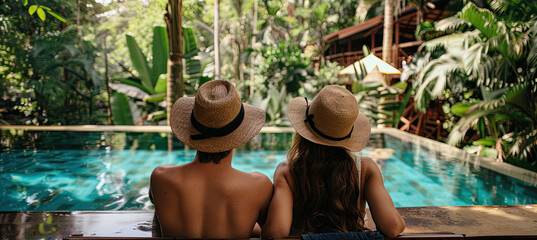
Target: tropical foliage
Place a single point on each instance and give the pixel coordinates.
(486, 65)
(40, 10)
(46, 71)
(91, 62)
(148, 87)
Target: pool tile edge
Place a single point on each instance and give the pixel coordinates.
(457, 153)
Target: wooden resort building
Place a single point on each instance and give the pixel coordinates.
(345, 47)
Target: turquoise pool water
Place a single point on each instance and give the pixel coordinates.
(45, 171)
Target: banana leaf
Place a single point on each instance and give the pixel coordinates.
(133, 83)
(160, 53)
(121, 111)
(131, 91)
(139, 62)
(189, 43)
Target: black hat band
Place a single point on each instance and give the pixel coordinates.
(309, 120)
(207, 132)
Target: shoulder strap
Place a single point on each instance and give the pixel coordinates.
(358, 161)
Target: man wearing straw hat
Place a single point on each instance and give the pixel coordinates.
(207, 198)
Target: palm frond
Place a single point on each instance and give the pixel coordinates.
(484, 20)
(450, 24)
(458, 132)
(525, 146)
(432, 79)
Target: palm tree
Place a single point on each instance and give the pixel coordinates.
(216, 39)
(387, 38)
(174, 86)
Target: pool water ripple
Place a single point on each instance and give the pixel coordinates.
(110, 171)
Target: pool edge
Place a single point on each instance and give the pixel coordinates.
(508, 169)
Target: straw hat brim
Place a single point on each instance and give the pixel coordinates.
(357, 141)
(182, 128)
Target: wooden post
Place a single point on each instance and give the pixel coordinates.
(215, 39)
(396, 61)
(373, 42)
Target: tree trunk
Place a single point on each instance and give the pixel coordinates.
(252, 59)
(322, 45)
(387, 40)
(216, 40)
(175, 61)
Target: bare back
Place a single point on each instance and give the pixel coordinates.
(207, 200)
(372, 190)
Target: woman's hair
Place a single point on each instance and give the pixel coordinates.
(326, 190)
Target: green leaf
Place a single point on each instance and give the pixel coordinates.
(160, 87)
(139, 62)
(41, 14)
(160, 54)
(489, 152)
(25, 2)
(320, 11)
(32, 9)
(401, 109)
(43, 7)
(57, 16)
(400, 85)
(517, 95)
(460, 109)
(483, 19)
(192, 66)
(486, 141)
(155, 98)
(290, 20)
(155, 116)
(203, 80)
(189, 41)
(365, 49)
(121, 111)
(272, 10)
(134, 84)
(261, 24)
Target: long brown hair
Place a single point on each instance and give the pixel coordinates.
(326, 191)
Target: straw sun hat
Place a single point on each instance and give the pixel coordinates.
(215, 120)
(331, 119)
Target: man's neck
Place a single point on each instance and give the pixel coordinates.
(224, 162)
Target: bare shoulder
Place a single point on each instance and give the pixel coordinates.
(162, 174)
(367, 162)
(282, 175)
(369, 167)
(161, 171)
(260, 180)
(262, 187)
(283, 166)
(282, 170)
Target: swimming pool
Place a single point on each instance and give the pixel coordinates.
(46, 171)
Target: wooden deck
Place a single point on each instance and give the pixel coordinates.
(473, 221)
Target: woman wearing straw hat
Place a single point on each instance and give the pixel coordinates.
(322, 187)
(208, 198)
